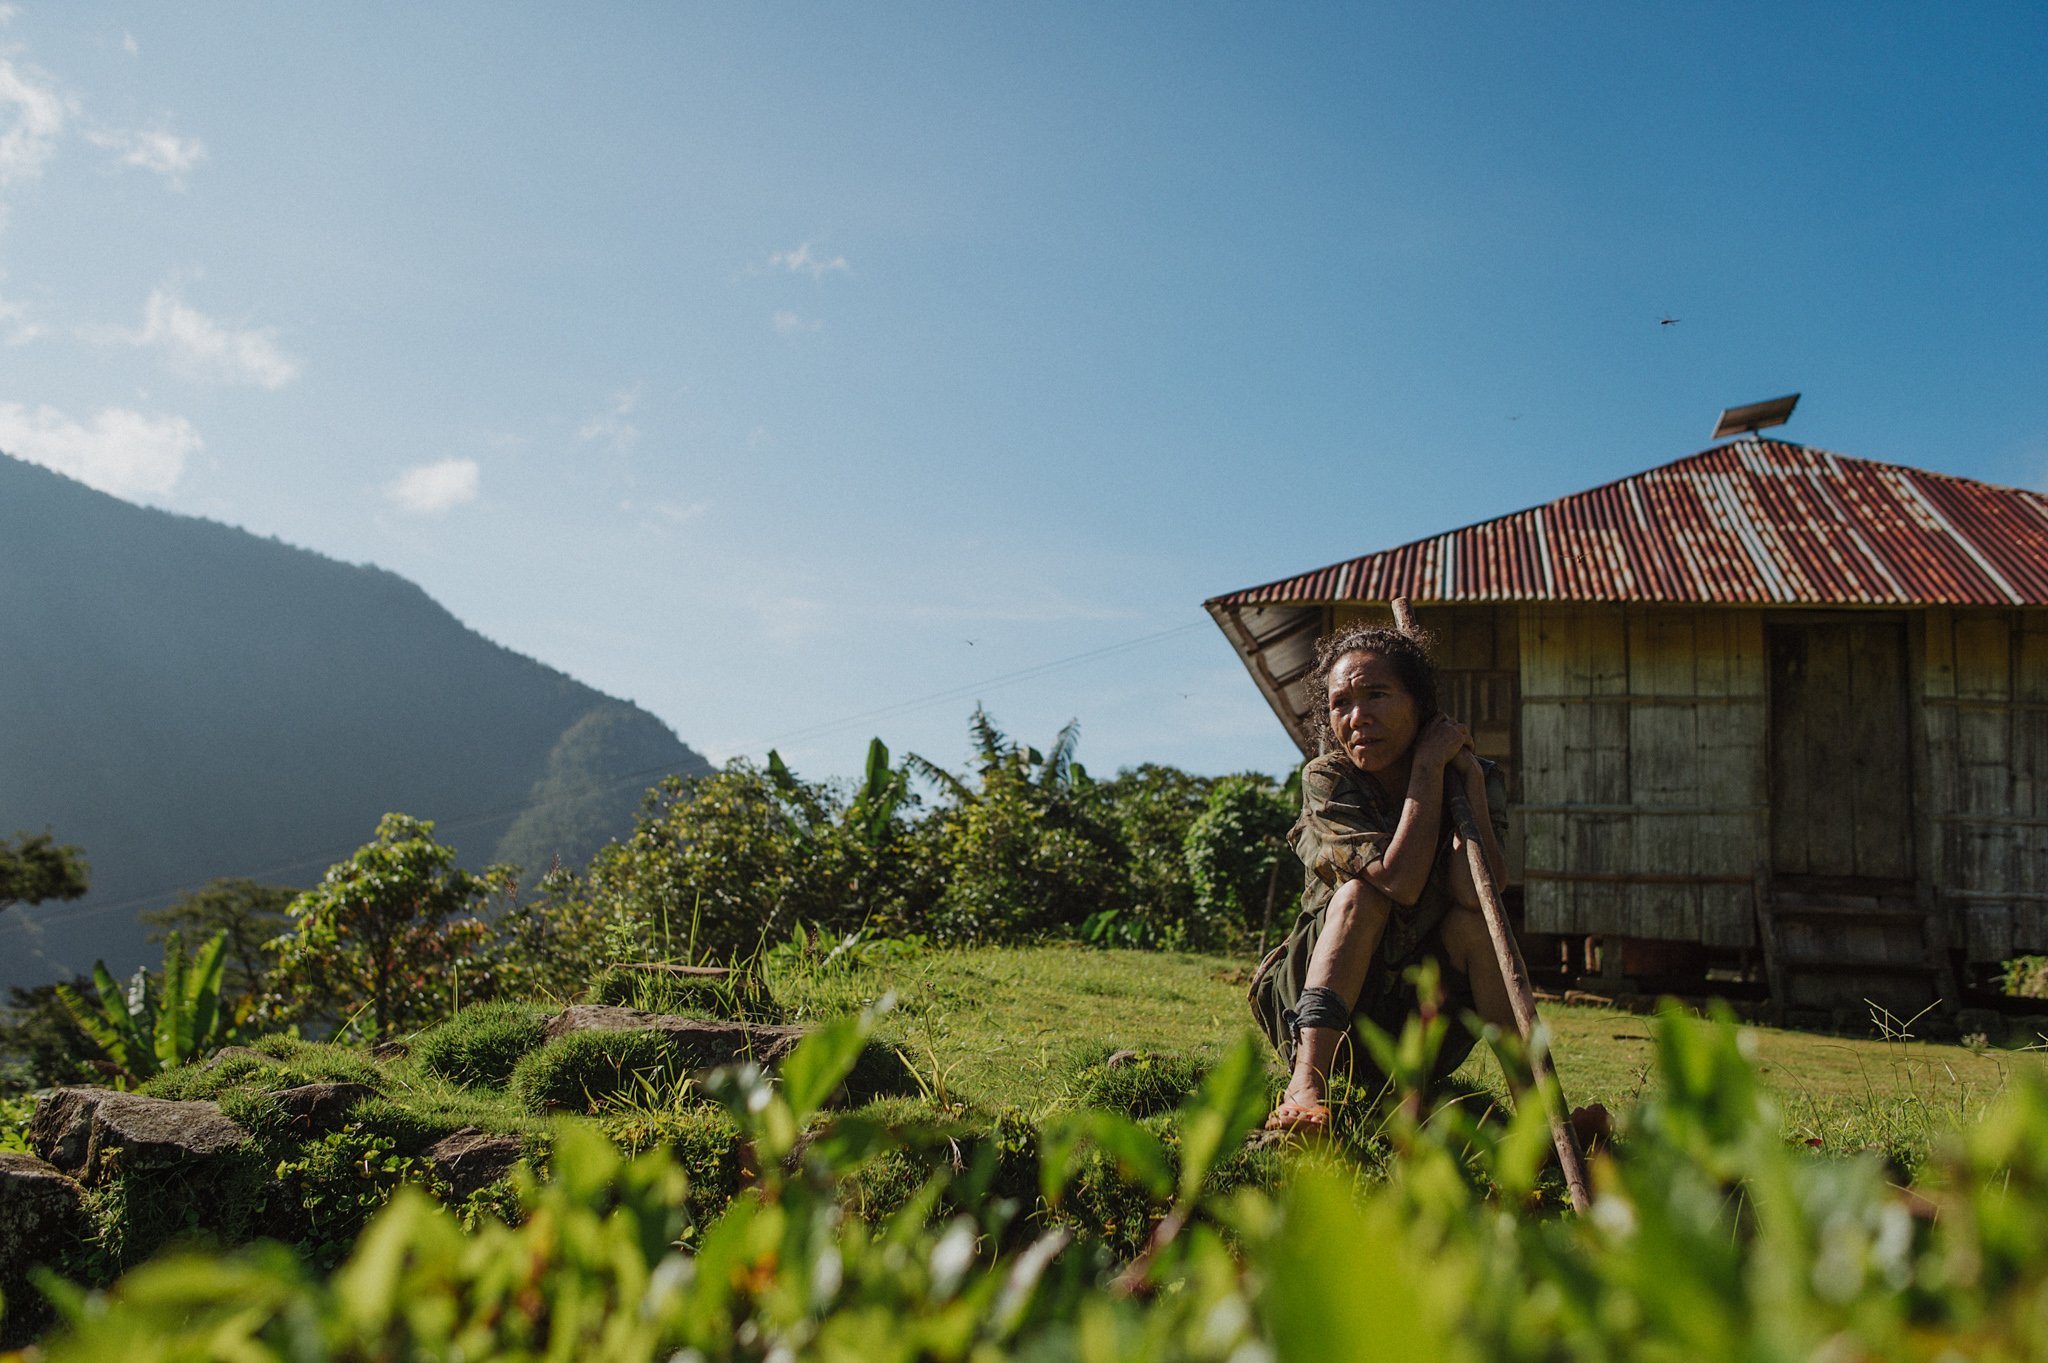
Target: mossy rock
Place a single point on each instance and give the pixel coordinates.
(274, 1062)
(600, 1053)
(480, 1046)
(137, 1210)
(581, 1071)
(739, 996)
(1135, 1083)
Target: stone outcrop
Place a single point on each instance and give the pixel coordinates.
(248, 1053)
(319, 1108)
(40, 1207)
(42, 1215)
(74, 1128)
(703, 1044)
(471, 1159)
(700, 1043)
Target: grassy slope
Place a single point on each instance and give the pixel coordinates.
(996, 1026)
(1006, 1027)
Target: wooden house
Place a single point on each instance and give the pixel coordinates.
(1764, 704)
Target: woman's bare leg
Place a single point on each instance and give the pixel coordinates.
(1352, 928)
(1470, 948)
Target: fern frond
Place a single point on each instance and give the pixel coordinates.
(938, 776)
(1056, 767)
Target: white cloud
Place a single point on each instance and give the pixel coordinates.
(671, 513)
(611, 425)
(154, 150)
(430, 489)
(787, 323)
(201, 348)
(130, 46)
(118, 451)
(803, 261)
(17, 327)
(7, 13)
(789, 619)
(32, 115)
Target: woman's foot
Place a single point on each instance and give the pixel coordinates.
(1303, 1110)
(1593, 1126)
(1300, 1117)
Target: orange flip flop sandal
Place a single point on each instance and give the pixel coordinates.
(1300, 1119)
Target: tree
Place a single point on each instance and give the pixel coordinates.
(252, 915)
(390, 930)
(552, 942)
(1025, 848)
(43, 1045)
(34, 868)
(1151, 807)
(1233, 850)
(713, 866)
(856, 849)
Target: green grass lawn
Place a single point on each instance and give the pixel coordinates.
(1001, 1027)
(1010, 1028)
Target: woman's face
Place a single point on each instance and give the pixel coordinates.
(1371, 713)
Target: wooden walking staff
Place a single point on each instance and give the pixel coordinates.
(1515, 973)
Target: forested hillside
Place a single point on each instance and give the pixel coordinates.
(186, 700)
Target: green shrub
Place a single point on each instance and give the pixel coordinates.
(1232, 851)
(738, 997)
(330, 1190)
(1151, 806)
(710, 860)
(1140, 1084)
(1025, 858)
(2026, 977)
(583, 1069)
(137, 1211)
(1712, 1237)
(703, 1139)
(16, 1113)
(481, 1044)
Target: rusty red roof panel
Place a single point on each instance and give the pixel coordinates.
(1753, 521)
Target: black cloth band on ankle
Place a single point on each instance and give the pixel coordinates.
(1318, 1007)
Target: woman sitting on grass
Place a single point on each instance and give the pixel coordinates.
(1388, 883)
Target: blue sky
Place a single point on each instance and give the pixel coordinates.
(773, 366)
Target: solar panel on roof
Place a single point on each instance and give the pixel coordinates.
(1755, 416)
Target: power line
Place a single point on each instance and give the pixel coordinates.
(962, 692)
(78, 913)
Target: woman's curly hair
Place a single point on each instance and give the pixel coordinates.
(1409, 653)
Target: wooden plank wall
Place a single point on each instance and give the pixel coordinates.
(1643, 770)
(1985, 718)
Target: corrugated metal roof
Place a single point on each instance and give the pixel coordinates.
(1752, 521)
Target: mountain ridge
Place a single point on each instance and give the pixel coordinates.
(185, 699)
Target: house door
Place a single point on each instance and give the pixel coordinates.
(1841, 763)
